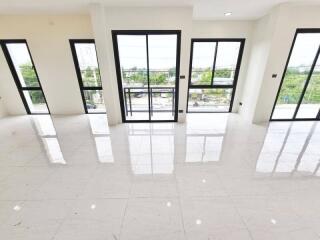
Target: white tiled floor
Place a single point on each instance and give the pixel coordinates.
(214, 177)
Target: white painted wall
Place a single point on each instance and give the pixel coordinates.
(261, 40)
(228, 29)
(48, 40)
(10, 96)
(3, 110)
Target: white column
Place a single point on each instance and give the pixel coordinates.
(184, 69)
(106, 63)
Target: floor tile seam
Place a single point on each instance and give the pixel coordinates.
(235, 206)
(124, 212)
(180, 207)
(68, 215)
(87, 183)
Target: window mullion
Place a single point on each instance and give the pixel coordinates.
(214, 62)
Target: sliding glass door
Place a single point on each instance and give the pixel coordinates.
(147, 65)
(299, 92)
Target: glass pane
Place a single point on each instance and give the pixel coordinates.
(162, 74)
(133, 65)
(23, 65)
(202, 62)
(310, 105)
(36, 101)
(209, 100)
(88, 64)
(300, 62)
(226, 63)
(94, 101)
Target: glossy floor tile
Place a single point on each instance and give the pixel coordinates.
(214, 177)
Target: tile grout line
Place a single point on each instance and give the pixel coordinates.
(71, 211)
(233, 203)
(124, 212)
(180, 207)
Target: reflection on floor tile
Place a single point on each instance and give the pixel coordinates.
(214, 177)
(291, 148)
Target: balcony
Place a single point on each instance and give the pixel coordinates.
(162, 102)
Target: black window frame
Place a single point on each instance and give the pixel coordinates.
(317, 118)
(83, 88)
(15, 76)
(232, 86)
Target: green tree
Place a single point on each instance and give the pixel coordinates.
(88, 73)
(29, 75)
(134, 75)
(293, 84)
(205, 77)
(158, 78)
(223, 73)
(291, 89)
(31, 80)
(91, 77)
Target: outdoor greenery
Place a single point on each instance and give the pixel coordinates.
(206, 75)
(90, 100)
(312, 94)
(139, 75)
(205, 78)
(223, 73)
(293, 84)
(29, 75)
(158, 78)
(290, 91)
(289, 94)
(91, 77)
(211, 96)
(31, 80)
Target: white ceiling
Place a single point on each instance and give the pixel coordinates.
(203, 9)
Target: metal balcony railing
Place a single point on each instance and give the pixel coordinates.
(131, 93)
